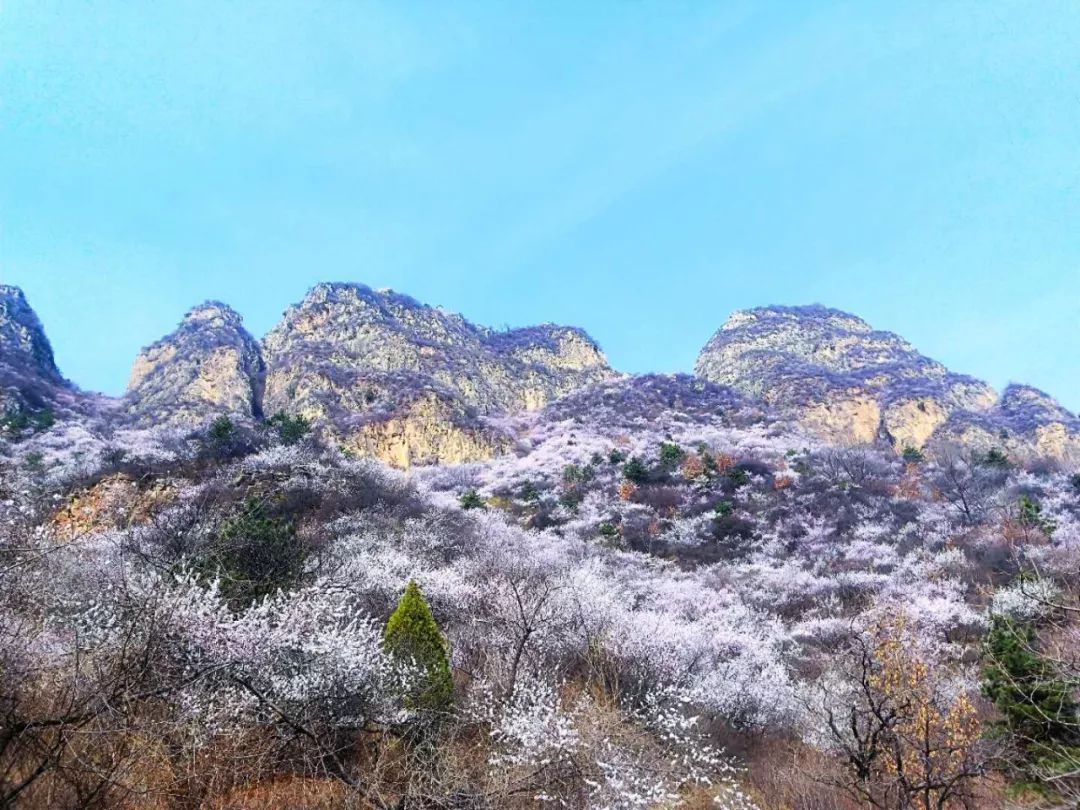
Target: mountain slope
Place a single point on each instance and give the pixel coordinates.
(848, 382)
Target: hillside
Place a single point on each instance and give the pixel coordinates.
(759, 586)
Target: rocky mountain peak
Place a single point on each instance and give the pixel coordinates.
(22, 338)
(817, 337)
(838, 375)
(804, 317)
(31, 386)
(210, 364)
(404, 380)
(1028, 404)
(214, 315)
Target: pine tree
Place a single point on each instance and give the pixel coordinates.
(413, 636)
(1036, 702)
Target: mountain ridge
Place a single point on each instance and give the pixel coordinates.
(386, 375)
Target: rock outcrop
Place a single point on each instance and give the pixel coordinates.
(351, 328)
(209, 366)
(382, 375)
(30, 382)
(410, 383)
(848, 382)
(376, 372)
(1024, 421)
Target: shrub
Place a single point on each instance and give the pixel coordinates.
(1075, 481)
(738, 477)
(995, 459)
(290, 429)
(572, 474)
(912, 455)
(609, 531)
(693, 467)
(19, 419)
(471, 499)
(221, 430)
(255, 555)
(671, 455)
(616, 456)
(413, 637)
(571, 499)
(635, 471)
(724, 508)
(529, 493)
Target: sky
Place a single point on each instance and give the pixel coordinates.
(640, 169)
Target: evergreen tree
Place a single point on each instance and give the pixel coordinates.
(471, 499)
(636, 471)
(413, 636)
(1037, 705)
(671, 455)
(913, 455)
(290, 429)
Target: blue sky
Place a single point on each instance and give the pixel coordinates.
(639, 169)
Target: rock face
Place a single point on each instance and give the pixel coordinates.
(1025, 420)
(840, 377)
(350, 328)
(29, 379)
(376, 372)
(411, 383)
(209, 366)
(383, 375)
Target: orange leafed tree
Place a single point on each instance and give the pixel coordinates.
(907, 743)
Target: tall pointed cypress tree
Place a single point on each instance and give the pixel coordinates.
(412, 635)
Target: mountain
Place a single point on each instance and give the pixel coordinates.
(1025, 421)
(851, 383)
(632, 574)
(30, 382)
(209, 365)
(380, 374)
(376, 371)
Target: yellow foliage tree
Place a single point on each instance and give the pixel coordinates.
(908, 744)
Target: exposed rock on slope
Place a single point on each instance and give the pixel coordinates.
(1025, 420)
(210, 365)
(383, 375)
(840, 377)
(411, 383)
(29, 379)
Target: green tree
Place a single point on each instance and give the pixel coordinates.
(738, 477)
(1030, 516)
(994, 458)
(255, 555)
(290, 429)
(412, 636)
(1037, 704)
(572, 474)
(609, 531)
(912, 455)
(471, 499)
(221, 430)
(636, 471)
(670, 455)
